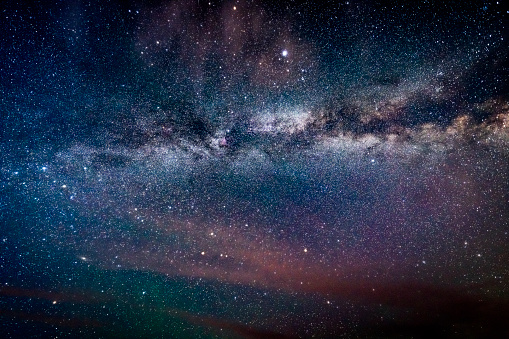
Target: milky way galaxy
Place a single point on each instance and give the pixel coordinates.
(245, 169)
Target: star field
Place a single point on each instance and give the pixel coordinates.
(245, 169)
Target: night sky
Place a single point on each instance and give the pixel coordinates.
(254, 169)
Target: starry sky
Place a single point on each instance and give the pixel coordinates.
(254, 169)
